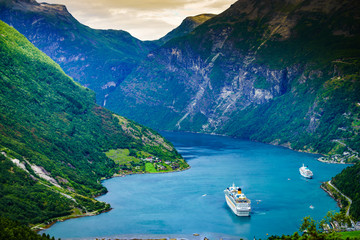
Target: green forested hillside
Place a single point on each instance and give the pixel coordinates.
(348, 181)
(53, 137)
(98, 59)
(15, 231)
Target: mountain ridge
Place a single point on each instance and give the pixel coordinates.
(186, 26)
(253, 56)
(54, 138)
(98, 59)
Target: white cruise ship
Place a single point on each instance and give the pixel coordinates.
(305, 172)
(237, 201)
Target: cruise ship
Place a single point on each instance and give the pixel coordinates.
(306, 172)
(237, 201)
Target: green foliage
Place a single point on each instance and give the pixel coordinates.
(92, 57)
(13, 230)
(348, 182)
(48, 120)
(149, 167)
(25, 200)
(312, 230)
(121, 156)
(91, 205)
(355, 235)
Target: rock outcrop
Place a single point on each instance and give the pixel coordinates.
(258, 70)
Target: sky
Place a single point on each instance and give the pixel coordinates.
(144, 19)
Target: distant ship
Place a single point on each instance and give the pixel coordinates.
(306, 172)
(237, 201)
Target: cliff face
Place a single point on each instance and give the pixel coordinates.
(259, 70)
(98, 59)
(284, 72)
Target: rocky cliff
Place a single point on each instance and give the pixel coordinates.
(284, 72)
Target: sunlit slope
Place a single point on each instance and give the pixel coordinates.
(53, 137)
(281, 72)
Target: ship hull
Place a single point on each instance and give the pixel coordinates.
(238, 210)
(305, 176)
(305, 172)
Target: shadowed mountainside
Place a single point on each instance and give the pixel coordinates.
(97, 59)
(282, 72)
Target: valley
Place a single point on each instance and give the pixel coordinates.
(54, 138)
(79, 105)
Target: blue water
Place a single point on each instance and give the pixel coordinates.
(192, 201)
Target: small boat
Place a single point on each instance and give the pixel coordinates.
(237, 201)
(305, 172)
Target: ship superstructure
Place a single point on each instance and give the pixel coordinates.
(237, 201)
(305, 172)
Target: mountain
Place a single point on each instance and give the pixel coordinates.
(348, 181)
(14, 230)
(187, 26)
(54, 139)
(281, 72)
(97, 59)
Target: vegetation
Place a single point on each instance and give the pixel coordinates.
(136, 162)
(48, 120)
(99, 59)
(53, 138)
(343, 203)
(348, 182)
(301, 59)
(188, 25)
(121, 156)
(308, 65)
(310, 229)
(355, 235)
(13, 230)
(150, 168)
(26, 200)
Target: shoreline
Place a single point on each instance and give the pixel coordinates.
(43, 226)
(273, 143)
(325, 187)
(136, 173)
(180, 236)
(331, 162)
(64, 218)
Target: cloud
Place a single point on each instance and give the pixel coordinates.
(144, 19)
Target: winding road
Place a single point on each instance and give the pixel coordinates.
(350, 201)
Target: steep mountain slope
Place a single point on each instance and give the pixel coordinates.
(13, 230)
(187, 25)
(53, 137)
(348, 181)
(98, 59)
(283, 72)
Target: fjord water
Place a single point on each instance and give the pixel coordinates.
(192, 201)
